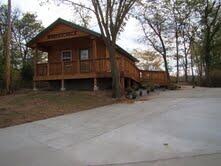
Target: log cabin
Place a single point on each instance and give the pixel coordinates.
(77, 58)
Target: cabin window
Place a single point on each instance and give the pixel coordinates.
(66, 55)
(84, 54)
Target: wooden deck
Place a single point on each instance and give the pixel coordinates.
(155, 77)
(92, 68)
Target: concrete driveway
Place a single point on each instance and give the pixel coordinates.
(173, 128)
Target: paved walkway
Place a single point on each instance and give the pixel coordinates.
(174, 128)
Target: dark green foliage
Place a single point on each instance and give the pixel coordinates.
(148, 90)
(129, 90)
(16, 80)
(141, 93)
(135, 87)
(134, 95)
(1, 69)
(131, 93)
(148, 85)
(216, 78)
(24, 27)
(173, 86)
(27, 72)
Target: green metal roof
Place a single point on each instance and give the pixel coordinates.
(83, 29)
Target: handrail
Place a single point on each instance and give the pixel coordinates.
(93, 65)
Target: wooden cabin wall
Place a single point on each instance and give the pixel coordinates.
(101, 49)
(54, 51)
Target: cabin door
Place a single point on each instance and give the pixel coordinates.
(84, 60)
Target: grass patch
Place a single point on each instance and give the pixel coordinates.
(29, 106)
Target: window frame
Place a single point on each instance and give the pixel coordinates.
(88, 54)
(62, 59)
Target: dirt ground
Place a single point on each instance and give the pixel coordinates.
(27, 105)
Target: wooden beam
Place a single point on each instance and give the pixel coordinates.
(48, 69)
(95, 84)
(106, 52)
(94, 48)
(35, 61)
(35, 57)
(122, 82)
(129, 82)
(62, 68)
(34, 86)
(62, 85)
(78, 61)
(94, 54)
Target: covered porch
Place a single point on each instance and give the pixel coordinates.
(96, 65)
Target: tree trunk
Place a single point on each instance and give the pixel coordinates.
(200, 67)
(177, 56)
(164, 54)
(116, 92)
(207, 74)
(186, 68)
(207, 52)
(166, 67)
(8, 51)
(193, 76)
(186, 59)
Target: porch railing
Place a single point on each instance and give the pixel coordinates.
(101, 65)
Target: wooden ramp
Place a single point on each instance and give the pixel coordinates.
(158, 78)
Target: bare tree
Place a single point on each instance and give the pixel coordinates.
(83, 17)
(148, 60)
(181, 11)
(174, 5)
(155, 28)
(188, 33)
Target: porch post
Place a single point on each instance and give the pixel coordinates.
(35, 68)
(34, 86)
(62, 85)
(106, 52)
(94, 54)
(129, 82)
(95, 84)
(94, 46)
(122, 81)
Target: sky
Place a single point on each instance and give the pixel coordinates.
(50, 12)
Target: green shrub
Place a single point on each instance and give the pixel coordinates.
(1, 72)
(134, 95)
(135, 87)
(215, 76)
(148, 85)
(173, 86)
(16, 80)
(141, 93)
(148, 90)
(27, 72)
(142, 85)
(130, 92)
